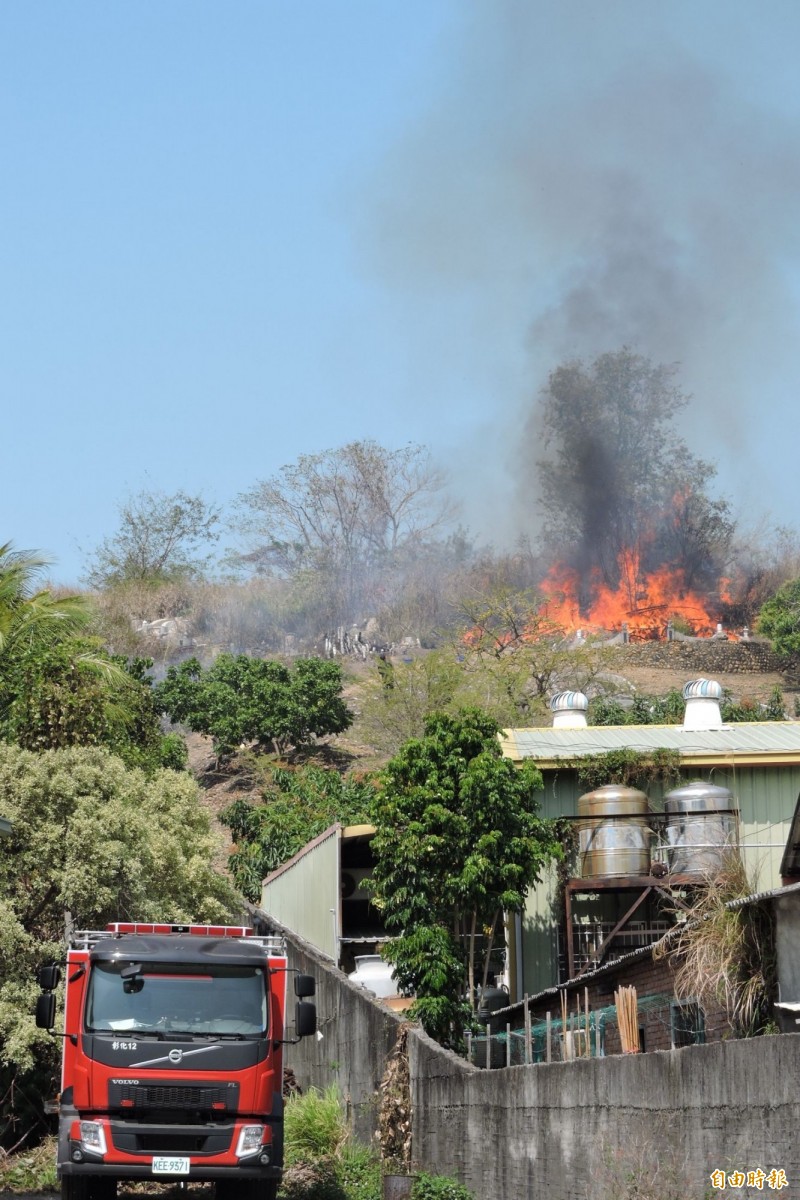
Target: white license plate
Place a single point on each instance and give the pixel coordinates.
(170, 1165)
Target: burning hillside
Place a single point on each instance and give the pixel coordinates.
(643, 602)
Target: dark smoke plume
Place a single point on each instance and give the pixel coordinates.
(599, 175)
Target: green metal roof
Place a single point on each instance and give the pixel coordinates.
(5, 825)
(759, 742)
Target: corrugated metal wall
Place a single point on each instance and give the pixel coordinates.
(765, 796)
(304, 894)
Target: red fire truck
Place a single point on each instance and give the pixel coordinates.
(172, 1067)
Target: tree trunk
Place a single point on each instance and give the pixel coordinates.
(473, 923)
(489, 948)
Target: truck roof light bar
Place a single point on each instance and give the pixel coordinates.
(85, 939)
(161, 927)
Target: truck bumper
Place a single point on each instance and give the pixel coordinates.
(199, 1172)
(124, 1154)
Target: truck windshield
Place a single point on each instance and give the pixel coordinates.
(177, 997)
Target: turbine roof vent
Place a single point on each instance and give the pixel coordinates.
(569, 710)
(702, 710)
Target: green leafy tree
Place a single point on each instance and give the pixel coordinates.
(74, 694)
(102, 842)
(298, 805)
(398, 697)
(159, 539)
(459, 841)
(518, 657)
(242, 700)
(779, 619)
(58, 687)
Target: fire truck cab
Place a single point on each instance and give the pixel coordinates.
(172, 1066)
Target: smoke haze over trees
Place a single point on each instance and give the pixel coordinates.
(365, 534)
(351, 519)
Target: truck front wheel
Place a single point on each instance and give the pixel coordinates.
(83, 1187)
(247, 1189)
(74, 1188)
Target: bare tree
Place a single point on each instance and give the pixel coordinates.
(519, 656)
(159, 539)
(347, 515)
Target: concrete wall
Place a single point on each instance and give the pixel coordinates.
(586, 1130)
(357, 1035)
(600, 1129)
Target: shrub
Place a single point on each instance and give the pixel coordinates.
(439, 1187)
(315, 1127)
(360, 1173)
(31, 1171)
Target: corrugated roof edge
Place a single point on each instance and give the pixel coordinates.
(331, 831)
(748, 742)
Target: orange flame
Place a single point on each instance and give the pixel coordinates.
(645, 603)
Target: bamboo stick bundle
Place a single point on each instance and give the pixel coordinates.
(627, 1019)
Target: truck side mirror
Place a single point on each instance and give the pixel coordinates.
(49, 977)
(46, 1011)
(304, 985)
(305, 1018)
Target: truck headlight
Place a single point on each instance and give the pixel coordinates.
(93, 1137)
(250, 1137)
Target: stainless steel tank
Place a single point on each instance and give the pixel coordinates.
(614, 834)
(700, 827)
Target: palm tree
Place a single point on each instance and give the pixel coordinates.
(33, 619)
(33, 624)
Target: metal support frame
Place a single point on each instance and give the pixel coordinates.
(645, 885)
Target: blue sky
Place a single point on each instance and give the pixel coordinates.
(233, 234)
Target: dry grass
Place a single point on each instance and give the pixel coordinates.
(725, 955)
(646, 1168)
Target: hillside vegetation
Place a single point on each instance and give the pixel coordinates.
(351, 631)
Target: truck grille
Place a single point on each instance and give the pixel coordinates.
(160, 1096)
(203, 1096)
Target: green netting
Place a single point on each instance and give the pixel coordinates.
(506, 1049)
